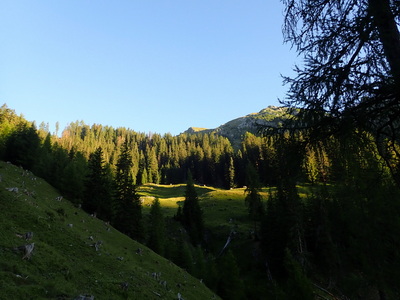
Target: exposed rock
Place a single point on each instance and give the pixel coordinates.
(234, 130)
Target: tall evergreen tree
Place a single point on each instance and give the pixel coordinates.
(98, 187)
(297, 283)
(8, 123)
(183, 255)
(192, 215)
(253, 198)
(230, 172)
(22, 146)
(73, 177)
(127, 211)
(282, 226)
(152, 164)
(230, 286)
(157, 234)
(44, 159)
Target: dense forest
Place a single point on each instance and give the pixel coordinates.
(165, 159)
(339, 142)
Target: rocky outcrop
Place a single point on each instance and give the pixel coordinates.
(234, 130)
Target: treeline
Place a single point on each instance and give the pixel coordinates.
(156, 158)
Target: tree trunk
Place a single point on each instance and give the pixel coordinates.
(389, 36)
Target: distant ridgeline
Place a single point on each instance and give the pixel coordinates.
(234, 130)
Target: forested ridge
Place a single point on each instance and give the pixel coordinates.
(156, 158)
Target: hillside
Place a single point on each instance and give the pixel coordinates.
(75, 254)
(233, 130)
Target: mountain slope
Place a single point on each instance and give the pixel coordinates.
(235, 129)
(75, 254)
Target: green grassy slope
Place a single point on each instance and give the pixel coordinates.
(223, 210)
(220, 207)
(65, 263)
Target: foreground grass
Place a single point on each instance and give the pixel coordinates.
(65, 263)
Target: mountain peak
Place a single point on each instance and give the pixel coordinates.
(236, 128)
(195, 130)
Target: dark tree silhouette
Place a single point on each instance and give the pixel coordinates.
(230, 286)
(253, 198)
(192, 216)
(22, 146)
(157, 232)
(127, 211)
(351, 73)
(98, 191)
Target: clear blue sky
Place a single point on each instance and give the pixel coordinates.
(148, 65)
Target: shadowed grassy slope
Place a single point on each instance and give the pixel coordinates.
(223, 210)
(220, 207)
(65, 262)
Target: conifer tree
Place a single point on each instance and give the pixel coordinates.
(157, 234)
(72, 182)
(230, 172)
(127, 214)
(282, 225)
(152, 163)
(230, 286)
(98, 194)
(22, 146)
(183, 255)
(142, 172)
(192, 216)
(253, 198)
(298, 285)
(44, 159)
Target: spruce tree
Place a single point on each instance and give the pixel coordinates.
(230, 172)
(157, 235)
(282, 226)
(74, 173)
(230, 286)
(152, 164)
(183, 255)
(297, 283)
(98, 185)
(127, 212)
(253, 198)
(22, 146)
(192, 216)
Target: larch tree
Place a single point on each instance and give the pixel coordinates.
(348, 91)
(351, 72)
